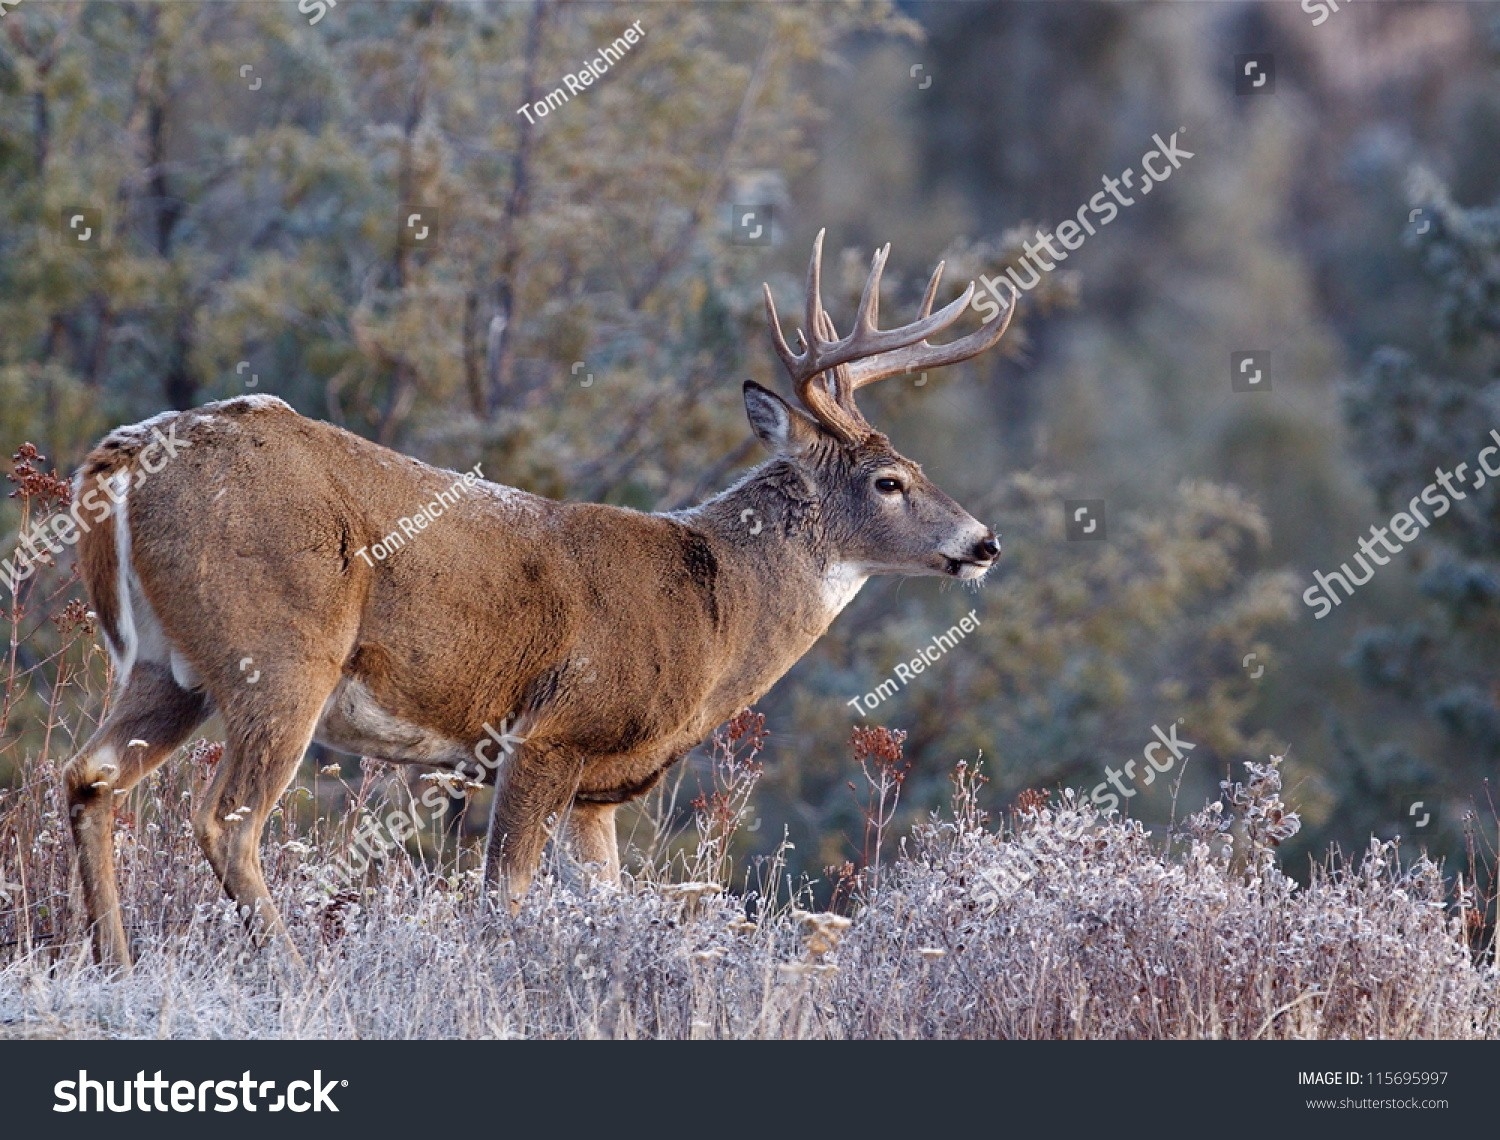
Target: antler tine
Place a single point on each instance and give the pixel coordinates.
(826, 329)
(920, 355)
(778, 342)
(814, 297)
(837, 378)
(796, 361)
(932, 286)
(868, 320)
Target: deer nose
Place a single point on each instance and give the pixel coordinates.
(988, 548)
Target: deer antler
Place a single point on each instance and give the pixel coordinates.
(869, 353)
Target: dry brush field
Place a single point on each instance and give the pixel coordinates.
(1058, 923)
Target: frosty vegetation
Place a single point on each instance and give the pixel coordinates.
(1112, 932)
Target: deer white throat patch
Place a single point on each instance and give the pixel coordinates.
(841, 582)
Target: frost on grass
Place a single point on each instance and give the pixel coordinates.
(1061, 923)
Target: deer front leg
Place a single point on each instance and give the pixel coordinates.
(531, 793)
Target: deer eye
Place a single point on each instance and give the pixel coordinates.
(888, 486)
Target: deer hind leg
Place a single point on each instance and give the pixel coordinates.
(150, 718)
(591, 828)
(532, 790)
(266, 743)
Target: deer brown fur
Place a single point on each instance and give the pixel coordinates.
(610, 641)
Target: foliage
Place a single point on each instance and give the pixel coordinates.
(1416, 411)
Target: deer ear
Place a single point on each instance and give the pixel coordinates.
(782, 428)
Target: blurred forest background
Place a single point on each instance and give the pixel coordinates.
(581, 316)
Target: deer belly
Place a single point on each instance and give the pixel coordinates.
(353, 721)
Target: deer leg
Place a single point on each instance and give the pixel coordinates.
(150, 718)
(591, 827)
(532, 791)
(264, 748)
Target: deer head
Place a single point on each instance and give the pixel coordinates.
(881, 514)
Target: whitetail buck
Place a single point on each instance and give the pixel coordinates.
(612, 641)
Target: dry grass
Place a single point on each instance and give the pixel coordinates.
(1059, 924)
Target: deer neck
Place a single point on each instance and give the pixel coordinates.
(770, 528)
